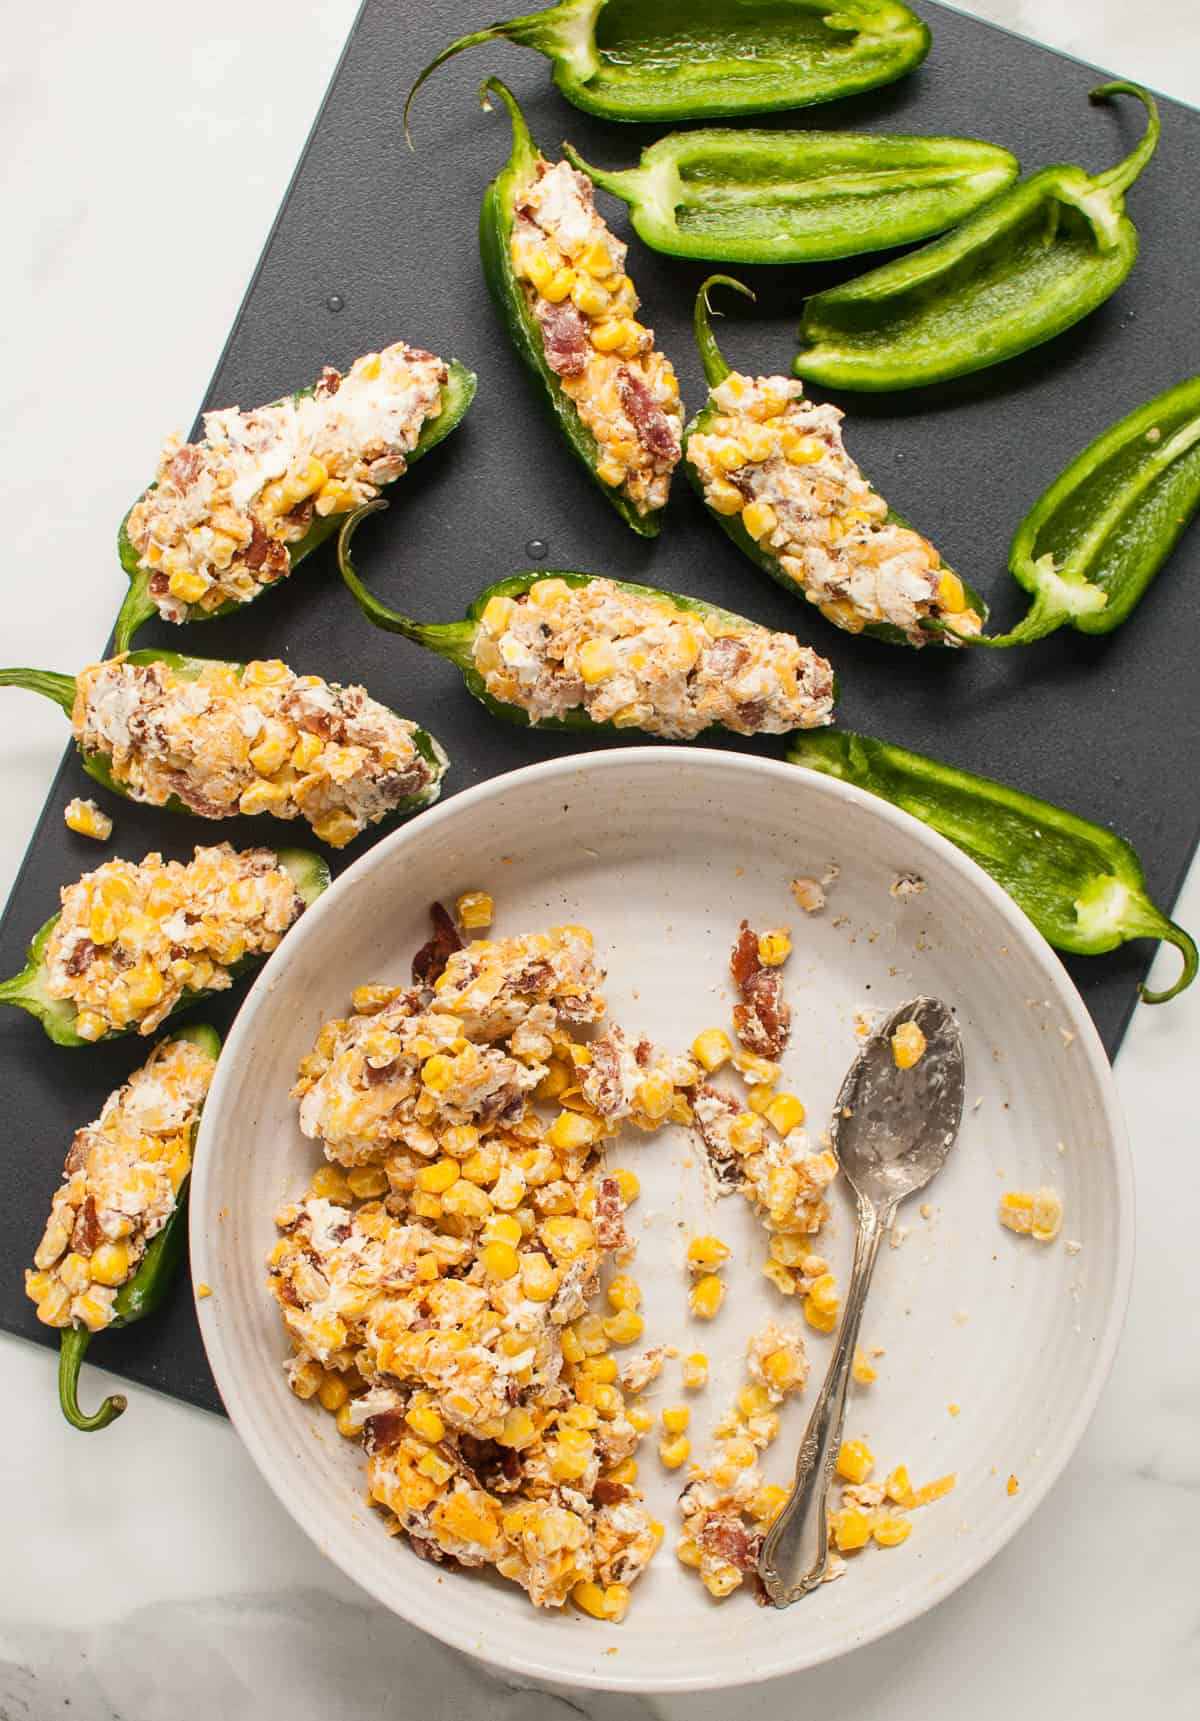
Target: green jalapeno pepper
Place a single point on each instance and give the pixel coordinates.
(1090, 546)
(458, 392)
(700, 59)
(496, 222)
(98, 765)
(456, 640)
(759, 550)
(28, 990)
(1029, 264)
(141, 1295)
(800, 196)
(1081, 885)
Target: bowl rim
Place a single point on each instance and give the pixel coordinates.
(793, 1658)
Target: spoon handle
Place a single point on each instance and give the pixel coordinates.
(795, 1553)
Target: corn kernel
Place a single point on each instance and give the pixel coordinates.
(640, 1418)
(345, 1425)
(855, 1460)
(706, 1297)
(851, 1529)
(784, 1113)
(497, 614)
(951, 595)
(862, 1368)
(707, 1252)
(801, 450)
(110, 1264)
(759, 519)
(1012, 1486)
(572, 1130)
(625, 1473)
(333, 1392)
(931, 1491)
(890, 1532)
(597, 659)
(712, 1048)
(675, 1452)
(908, 1045)
(425, 1422)
(695, 1370)
(675, 1418)
(87, 820)
(590, 297)
(366, 1182)
(601, 1368)
(474, 910)
(539, 1280)
(559, 286)
(500, 1260)
(624, 1328)
(438, 1177)
(628, 1184)
(519, 1430)
(624, 1292)
(724, 497)
(774, 948)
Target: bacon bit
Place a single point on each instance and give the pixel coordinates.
(601, 1080)
(653, 427)
(382, 1431)
(430, 961)
(725, 656)
(762, 1020)
(78, 1154)
(610, 1206)
(184, 467)
(328, 382)
(564, 337)
(728, 1539)
(86, 1234)
(607, 1493)
(81, 957)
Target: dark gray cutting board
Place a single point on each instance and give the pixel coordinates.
(1110, 728)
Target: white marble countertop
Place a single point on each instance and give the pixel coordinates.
(150, 1573)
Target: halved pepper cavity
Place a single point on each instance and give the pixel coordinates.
(558, 649)
(1026, 266)
(771, 470)
(1089, 548)
(149, 586)
(141, 1295)
(742, 196)
(558, 278)
(409, 763)
(701, 59)
(1080, 884)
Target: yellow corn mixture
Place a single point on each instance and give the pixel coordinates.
(119, 1188)
(874, 1511)
(1036, 1213)
(727, 1506)
(133, 939)
(264, 741)
(776, 462)
(215, 526)
(86, 819)
(639, 661)
(437, 1279)
(572, 271)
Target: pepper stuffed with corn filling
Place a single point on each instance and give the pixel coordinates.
(558, 275)
(232, 514)
(771, 466)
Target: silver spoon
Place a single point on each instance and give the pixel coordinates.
(892, 1130)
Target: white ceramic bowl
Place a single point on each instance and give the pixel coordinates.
(661, 851)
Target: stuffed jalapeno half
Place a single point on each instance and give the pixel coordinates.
(234, 513)
(564, 650)
(771, 468)
(558, 278)
(198, 735)
(118, 1221)
(135, 942)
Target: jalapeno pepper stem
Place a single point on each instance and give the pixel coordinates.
(624, 183)
(75, 1342)
(564, 32)
(715, 367)
(452, 640)
(524, 150)
(137, 608)
(1118, 179)
(59, 688)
